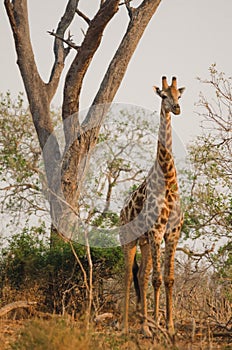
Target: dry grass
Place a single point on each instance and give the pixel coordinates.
(61, 334)
(202, 309)
(58, 333)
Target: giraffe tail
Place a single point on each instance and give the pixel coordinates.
(135, 270)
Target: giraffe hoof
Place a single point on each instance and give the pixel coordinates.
(146, 332)
(171, 332)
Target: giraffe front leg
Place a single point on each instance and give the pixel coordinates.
(129, 254)
(143, 277)
(170, 249)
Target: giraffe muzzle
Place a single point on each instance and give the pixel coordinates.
(176, 109)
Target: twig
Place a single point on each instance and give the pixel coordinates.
(154, 325)
(191, 253)
(64, 296)
(81, 266)
(68, 41)
(103, 317)
(25, 185)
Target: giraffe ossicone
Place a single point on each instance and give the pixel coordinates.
(151, 214)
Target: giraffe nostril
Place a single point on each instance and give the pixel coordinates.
(177, 106)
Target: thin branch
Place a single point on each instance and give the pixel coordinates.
(132, 177)
(32, 204)
(81, 266)
(191, 253)
(209, 221)
(63, 201)
(155, 326)
(82, 15)
(66, 19)
(23, 186)
(64, 296)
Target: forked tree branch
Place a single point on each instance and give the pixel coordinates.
(81, 62)
(59, 51)
(117, 68)
(111, 81)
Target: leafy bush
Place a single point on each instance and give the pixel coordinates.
(51, 274)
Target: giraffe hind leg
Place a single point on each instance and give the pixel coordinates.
(129, 255)
(171, 240)
(143, 277)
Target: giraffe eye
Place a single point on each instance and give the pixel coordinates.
(179, 97)
(163, 95)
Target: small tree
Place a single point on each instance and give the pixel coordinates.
(20, 153)
(208, 214)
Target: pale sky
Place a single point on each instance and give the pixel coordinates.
(184, 38)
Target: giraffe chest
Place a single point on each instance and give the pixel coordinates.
(162, 201)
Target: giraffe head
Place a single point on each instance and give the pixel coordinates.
(170, 95)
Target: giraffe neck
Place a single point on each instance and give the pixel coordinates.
(164, 158)
(165, 131)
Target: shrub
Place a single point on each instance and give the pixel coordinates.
(50, 274)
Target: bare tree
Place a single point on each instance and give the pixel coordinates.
(80, 139)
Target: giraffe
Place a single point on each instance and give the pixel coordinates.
(152, 214)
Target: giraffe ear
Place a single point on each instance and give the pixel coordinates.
(181, 90)
(157, 90)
